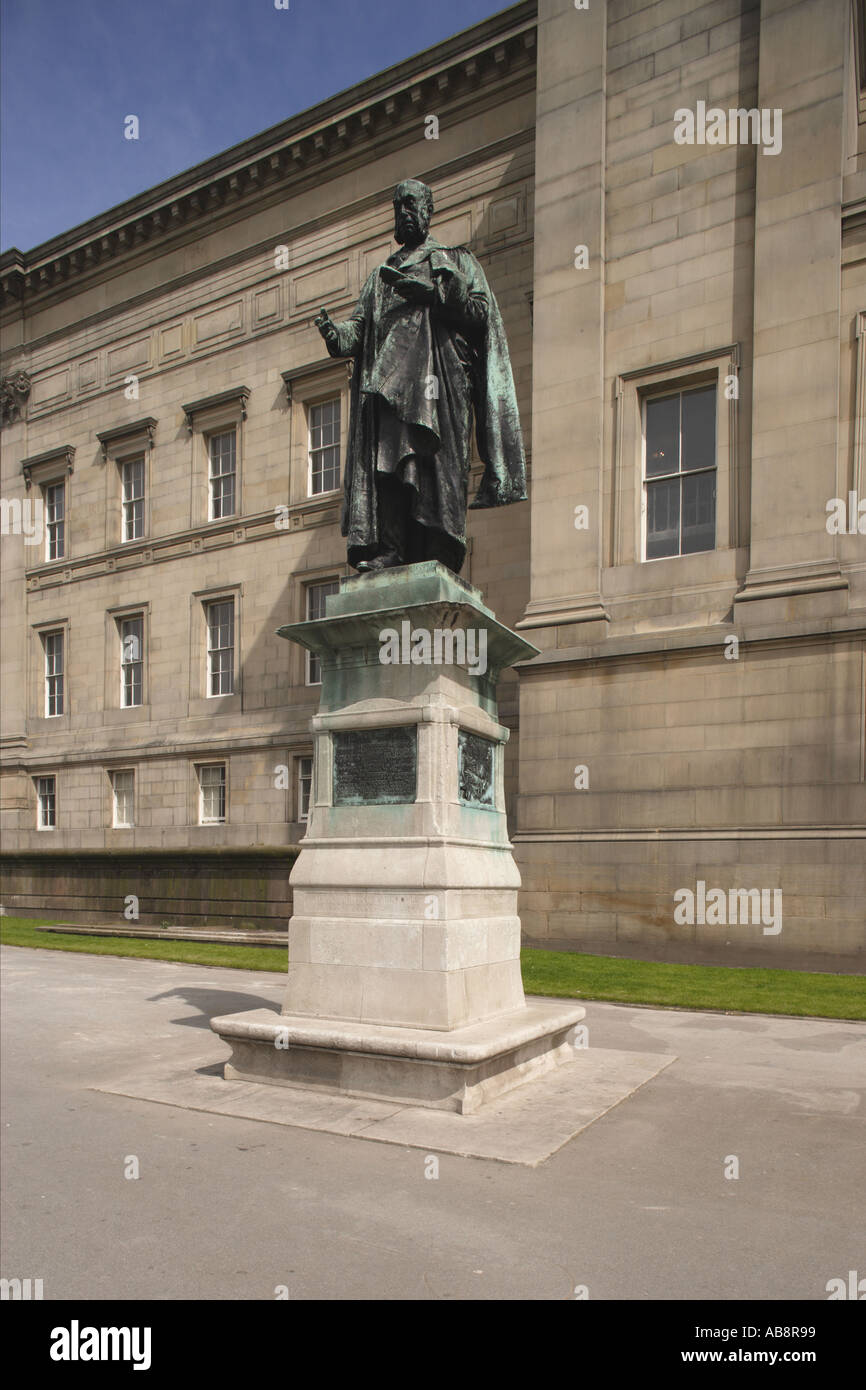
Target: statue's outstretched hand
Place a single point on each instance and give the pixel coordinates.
(327, 328)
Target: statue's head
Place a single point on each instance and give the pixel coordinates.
(413, 209)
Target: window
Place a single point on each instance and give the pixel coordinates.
(122, 797)
(316, 595)
(131, 661)
(305, 787)
(54, 495)
(220, 647)
(46, 793)
(132, 495)
(212, 793)
(680, 472)
(324, 447)
(53, 645)
(223, 470)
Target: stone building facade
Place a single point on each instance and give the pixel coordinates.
(687, 768)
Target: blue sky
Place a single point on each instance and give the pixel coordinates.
(199, 74)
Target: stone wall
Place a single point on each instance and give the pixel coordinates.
(245, 889)
(701, 718)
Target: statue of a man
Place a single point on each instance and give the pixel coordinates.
(430, 353)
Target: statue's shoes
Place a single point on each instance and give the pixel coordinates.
(380, 562)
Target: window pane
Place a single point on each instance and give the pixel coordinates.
(699, 512)
(55, 510)
(53, 643)
(325, 446)
(212, 781)
(305, 786)
(699, 429)
(316, 595)
(46, 792)
(132, 479)
(130, 636)
(123, 784)
(221, 626)
(131, 661)
(663, 519)
(221, 449)
(662, 436)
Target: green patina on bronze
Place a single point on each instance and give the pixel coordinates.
(374, 767)
(475, 769)
(430, 356)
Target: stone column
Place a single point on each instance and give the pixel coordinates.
(794, 571)
(568, 324)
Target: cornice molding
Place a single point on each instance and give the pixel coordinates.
(346, 128)
(319, 368)
(112, 437)
(64, 454)
(370, 202)
(237, 395)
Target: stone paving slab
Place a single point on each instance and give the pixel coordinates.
(525, 1127)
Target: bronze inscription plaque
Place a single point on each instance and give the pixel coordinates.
(375, 767)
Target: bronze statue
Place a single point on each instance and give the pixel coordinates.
(430, 353)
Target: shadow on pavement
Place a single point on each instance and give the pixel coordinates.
(211, 1003)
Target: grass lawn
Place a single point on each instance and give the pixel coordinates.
(740, 990)
(19, 931)
(736, 989)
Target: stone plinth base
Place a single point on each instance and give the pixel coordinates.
(459, 1070)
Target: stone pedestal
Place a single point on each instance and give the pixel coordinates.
(404, 947)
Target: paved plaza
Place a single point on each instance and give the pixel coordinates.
(636, 1206)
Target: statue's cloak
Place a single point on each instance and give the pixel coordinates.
(421, 374)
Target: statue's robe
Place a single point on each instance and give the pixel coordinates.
(421, 373)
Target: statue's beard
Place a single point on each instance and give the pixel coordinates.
(410, 228)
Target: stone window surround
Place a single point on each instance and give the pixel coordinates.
(215, 415)
(54, 466)
(309, 385)
(45, 723)
(113, 711)
(120, 444)
(200, 703)
(195, 803)
(631, 390)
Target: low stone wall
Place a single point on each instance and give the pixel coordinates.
(232, 888)
(681, 899)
